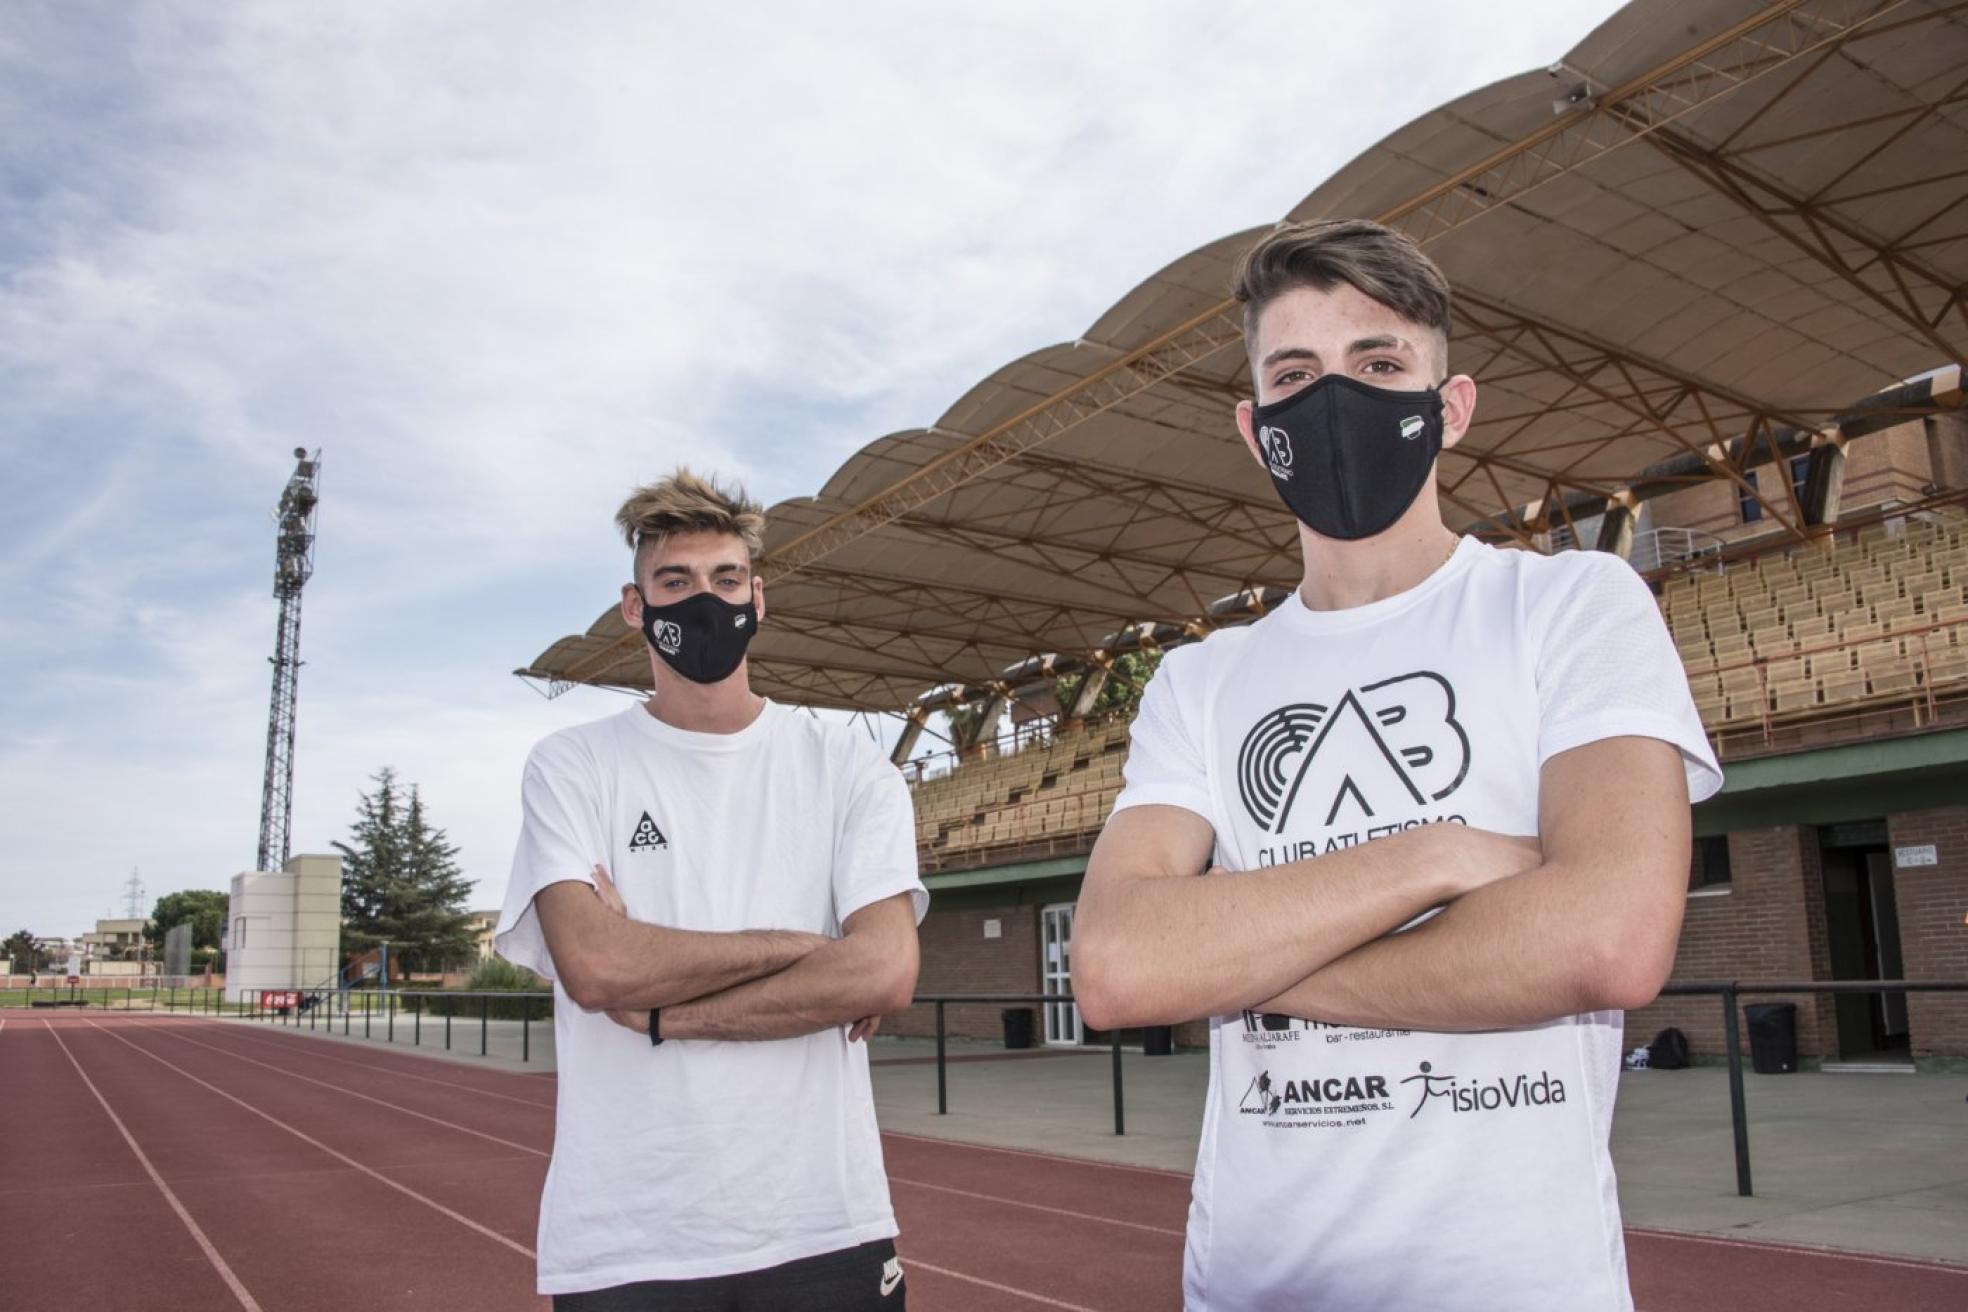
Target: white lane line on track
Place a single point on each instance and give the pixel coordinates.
(232, 1282)
(1804, 1250)
(1037, 1207)
(938, 1270)
(286, 1046)
(525, 1148)
(344, 1158)
(395, 1107)
(908, 1262)
(1044, 1157)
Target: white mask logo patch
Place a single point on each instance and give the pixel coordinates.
(1277, 451)
(1411, 427)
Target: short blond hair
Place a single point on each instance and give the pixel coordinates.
(687, 503)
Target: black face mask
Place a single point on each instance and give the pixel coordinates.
(703, 637)
(1347, 457)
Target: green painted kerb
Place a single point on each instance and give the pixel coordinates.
(1851, 761)
(1020, 873)
(1856, 781)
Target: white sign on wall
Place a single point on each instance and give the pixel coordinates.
(994, 929)
(1924, 855)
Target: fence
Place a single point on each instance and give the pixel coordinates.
(942, 1063)
(149, 995)
(1729, 991)
(319, 1009)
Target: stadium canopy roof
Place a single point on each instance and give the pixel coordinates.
(1689, 247)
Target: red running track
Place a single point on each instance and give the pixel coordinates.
(195, 1164)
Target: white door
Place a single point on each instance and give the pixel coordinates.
(1062, 1019)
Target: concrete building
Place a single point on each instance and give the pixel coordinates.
(284, 928)
(482, 925)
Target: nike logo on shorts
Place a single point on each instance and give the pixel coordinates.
(891, 1276)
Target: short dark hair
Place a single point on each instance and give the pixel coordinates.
(1380, 263)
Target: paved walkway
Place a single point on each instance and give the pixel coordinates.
(1875, 1163)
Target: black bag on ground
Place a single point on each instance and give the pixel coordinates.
(1668, 1051)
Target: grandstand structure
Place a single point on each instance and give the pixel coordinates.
(1711, 277)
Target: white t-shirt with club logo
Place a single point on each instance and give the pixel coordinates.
(1370, 1169)
(703, 1158)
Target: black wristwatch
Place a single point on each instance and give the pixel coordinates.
(655, 1026)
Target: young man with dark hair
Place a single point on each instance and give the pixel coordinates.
(1441, 798)
(714, 1135)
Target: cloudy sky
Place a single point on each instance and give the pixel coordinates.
(500, 261)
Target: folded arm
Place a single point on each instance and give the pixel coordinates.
(1593, 928)
(869, 971)
(606, 961)
(1154, 945)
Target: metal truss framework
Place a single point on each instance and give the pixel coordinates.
(1616, 393)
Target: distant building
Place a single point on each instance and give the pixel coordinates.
(284, 928)
(115, 947)
(483, 923)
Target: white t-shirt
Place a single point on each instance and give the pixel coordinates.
(708, 1158)
(1368, 1169)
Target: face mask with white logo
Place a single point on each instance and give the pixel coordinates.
(1349, 458)
(703, 637)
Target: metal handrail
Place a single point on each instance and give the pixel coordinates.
(942, 1072)
(1731, 992)
(1915, 697)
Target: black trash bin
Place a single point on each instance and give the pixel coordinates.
(1017, 1027)
(1772, 1037)
(1158, 1041)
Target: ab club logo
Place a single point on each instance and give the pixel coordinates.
(1386, 745)
(647, 836)
(669, 637)
(1277, 452)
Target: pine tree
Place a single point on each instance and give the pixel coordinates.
(372, 866)
(401, 883)
(436, 920)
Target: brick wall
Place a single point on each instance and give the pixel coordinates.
(1888, 466)
(957, 958)
(1933, 940)
(1891, 465)
(1760, 929)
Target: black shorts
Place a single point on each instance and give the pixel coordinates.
(866, 1278)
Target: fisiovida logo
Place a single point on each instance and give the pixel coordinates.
(1480, 1096)
(1397, 743)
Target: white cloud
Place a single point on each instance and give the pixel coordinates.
(499, 261)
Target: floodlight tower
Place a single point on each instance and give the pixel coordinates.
(293, 565)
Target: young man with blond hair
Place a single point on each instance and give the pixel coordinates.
(1440, 796)
(725, 895)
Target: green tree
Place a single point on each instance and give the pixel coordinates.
(205, 908)
(1121, 692)
(26, 957)
(401, 883)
